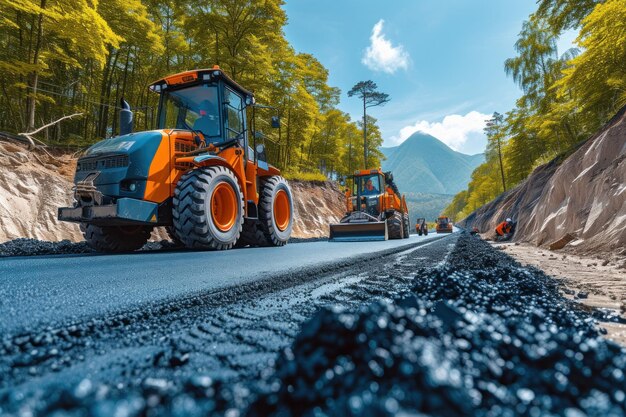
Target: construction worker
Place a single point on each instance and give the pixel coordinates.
(505, 230)
(369, 188)
(207, 123)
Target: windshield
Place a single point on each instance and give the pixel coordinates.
(367, 185)
(193, 108)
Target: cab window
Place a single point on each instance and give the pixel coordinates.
(234, 113)
(193, 108)
(368, 185)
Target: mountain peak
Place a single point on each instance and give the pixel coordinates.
(423, 163)
(423, 139)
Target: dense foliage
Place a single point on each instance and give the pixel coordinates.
(59, 57)
(566, 96)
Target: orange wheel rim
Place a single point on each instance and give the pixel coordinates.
(224, 207)
(282, 210)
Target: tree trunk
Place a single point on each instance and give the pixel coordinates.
(288, 153)
(364, 135)
(105, 92)
(34, 79)
(501, 167)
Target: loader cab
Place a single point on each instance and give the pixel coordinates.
(368, 186)
(206, 102)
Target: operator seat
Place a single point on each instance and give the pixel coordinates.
(208, 125)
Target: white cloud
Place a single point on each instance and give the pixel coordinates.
(454, 130)
(381, 55)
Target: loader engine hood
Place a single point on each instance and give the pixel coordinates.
(119, 167)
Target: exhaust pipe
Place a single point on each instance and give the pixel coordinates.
(126, 118)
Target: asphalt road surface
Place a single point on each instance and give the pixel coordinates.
(50, 290)
(96, 334)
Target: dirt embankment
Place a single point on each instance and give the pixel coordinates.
(316, 204)
(34, 184)
(598, 284)
(583, 196)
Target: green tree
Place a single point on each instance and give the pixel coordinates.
(368, 92)
(566, 97)
(65, 56)
(495, 135)
(595, 80)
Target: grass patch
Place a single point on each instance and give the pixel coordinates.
(305, 176)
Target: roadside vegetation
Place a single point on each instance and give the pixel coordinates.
(567, 95)
(61, 57)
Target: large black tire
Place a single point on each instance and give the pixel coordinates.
(406, 223)
(275, 195)
(251, 235)
(202, 218)
(115, 239)
(395, 226)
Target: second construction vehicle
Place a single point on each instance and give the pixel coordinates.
(375, 210)
(201, 174)
(421, 227)
(444, 225)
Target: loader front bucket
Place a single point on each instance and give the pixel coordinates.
(358, 232)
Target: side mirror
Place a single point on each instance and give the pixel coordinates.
(126, 118)
(275, 122)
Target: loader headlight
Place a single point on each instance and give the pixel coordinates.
(128, 185)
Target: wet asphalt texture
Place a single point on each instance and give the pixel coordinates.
(201, 354)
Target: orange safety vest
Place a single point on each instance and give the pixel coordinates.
(503, 228)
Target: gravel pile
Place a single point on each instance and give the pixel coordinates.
(480, 336)
(32, 247)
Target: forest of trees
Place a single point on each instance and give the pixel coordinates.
(59, 57)
(567, 95)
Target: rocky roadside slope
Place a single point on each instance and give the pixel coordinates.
(582, 199)
(33, 184)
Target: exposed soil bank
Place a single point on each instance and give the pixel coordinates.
(584, 196)
(32, 186)
(317, 204)
(594, 282)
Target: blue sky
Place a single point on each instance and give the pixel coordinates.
(442, 62)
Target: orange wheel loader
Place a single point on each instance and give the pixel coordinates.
(197, 175)
(421, 227)
(444, 225)
(375, 210)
